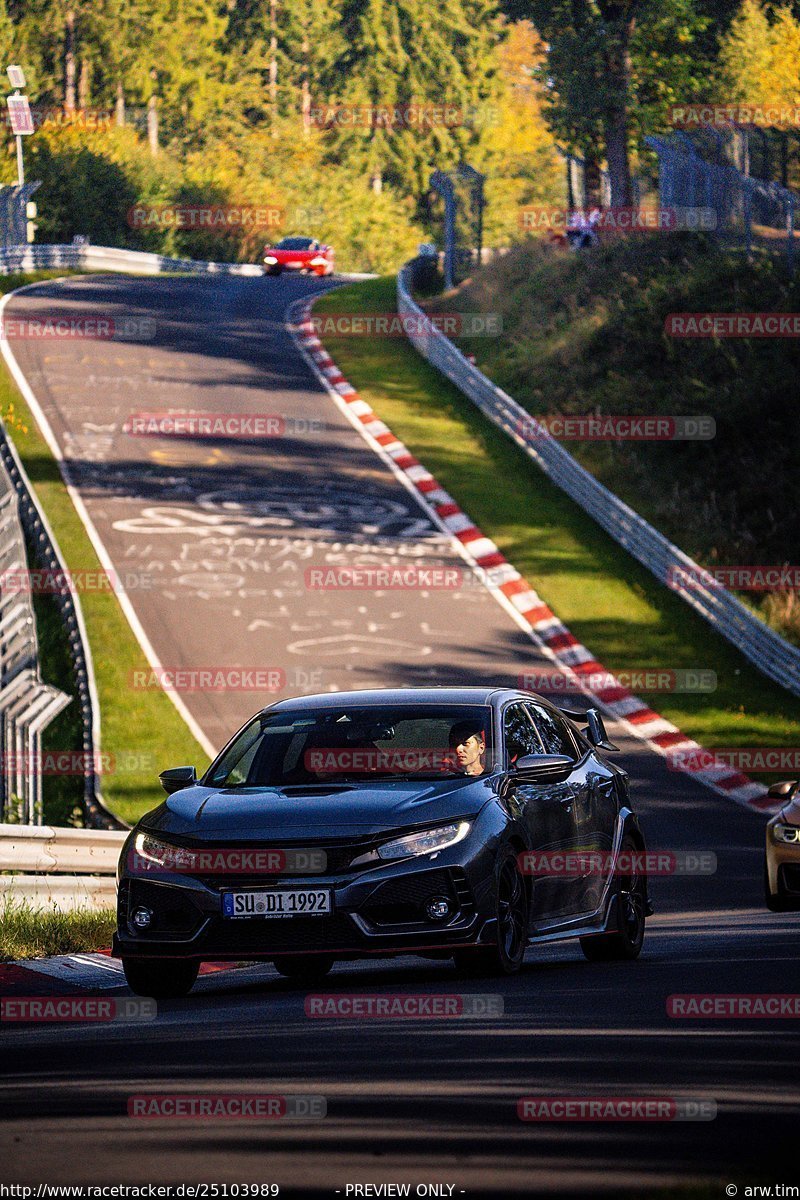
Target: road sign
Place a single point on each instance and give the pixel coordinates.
(16, 76)
(19, 111)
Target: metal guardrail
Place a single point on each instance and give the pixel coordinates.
(80, 255)
(48, 556)
(65, 868)
(765, 648)
(27, 704)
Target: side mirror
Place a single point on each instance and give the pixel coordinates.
(177, 778)
(543, 768)
(596, 731)
(783, 790)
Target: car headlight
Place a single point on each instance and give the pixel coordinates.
(319, 262)
(426, 841)
(150, 853)
(786, 833)
(271, 259)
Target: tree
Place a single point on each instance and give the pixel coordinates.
(598, 52)
(431, 69)
(283, 57)
(746, 54)
(760, 58)
(7, 38)
(516, 149)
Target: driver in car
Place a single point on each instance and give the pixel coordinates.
(468, 741)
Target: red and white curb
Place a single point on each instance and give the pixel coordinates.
(89, 971)
(514, 592)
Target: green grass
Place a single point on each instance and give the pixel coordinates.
(626, 618)
(28, 932)
(585, 334)
(141, 729)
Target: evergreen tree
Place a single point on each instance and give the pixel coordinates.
(431, 70)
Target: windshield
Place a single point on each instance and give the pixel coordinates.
(295, 243)
(353, 744)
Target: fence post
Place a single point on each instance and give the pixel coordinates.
(748, 218)
(790, 231)
(443, 184)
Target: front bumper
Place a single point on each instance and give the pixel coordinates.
(380, 912)
(783, 868)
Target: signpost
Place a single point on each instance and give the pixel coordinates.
(19, 112)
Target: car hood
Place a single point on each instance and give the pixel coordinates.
(287, 814)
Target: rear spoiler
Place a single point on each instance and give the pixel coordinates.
(595, 728)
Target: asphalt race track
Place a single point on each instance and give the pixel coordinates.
(226, 532)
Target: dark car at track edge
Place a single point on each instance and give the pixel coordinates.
(464, 823)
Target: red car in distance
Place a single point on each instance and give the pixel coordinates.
(302, 254)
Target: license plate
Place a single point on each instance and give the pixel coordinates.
(277, 902)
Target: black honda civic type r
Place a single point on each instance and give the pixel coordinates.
(463, 823)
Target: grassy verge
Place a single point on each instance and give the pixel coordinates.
(613, 605)
(27, 932)
(141, 730)
(585, 334)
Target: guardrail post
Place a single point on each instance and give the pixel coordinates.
(443, 184)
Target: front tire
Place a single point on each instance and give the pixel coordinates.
(511, 912)
(162, 978)
(625, 943)
(304, 969)
(776, 901)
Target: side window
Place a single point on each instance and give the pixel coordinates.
(519, 734)
(552, 730)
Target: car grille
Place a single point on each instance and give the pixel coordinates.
(294, 934)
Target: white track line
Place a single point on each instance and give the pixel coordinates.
(91, 529)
